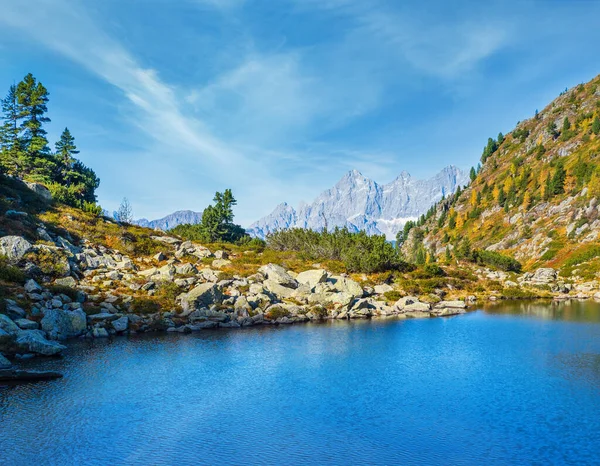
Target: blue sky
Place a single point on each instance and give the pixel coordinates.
(172, 100)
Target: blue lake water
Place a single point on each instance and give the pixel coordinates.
(513, 384)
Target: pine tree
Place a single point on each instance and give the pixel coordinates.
(65, 152)
(557, 184)
(596, 125)
(32, 98)
(12, 159)
(448, 254)
(500, 138)
(472, 174)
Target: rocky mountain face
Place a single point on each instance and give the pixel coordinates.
(181, 217)
(536, 196)
(359, 203)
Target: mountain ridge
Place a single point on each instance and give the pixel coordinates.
(359, 203)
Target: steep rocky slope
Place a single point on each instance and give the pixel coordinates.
(536, 195)
(360, 203)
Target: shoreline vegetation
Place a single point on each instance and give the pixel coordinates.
(69, 271)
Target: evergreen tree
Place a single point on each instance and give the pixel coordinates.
(65, 152)
(501, 197)
(557, 183)
(500, 139)
(552, 130)
(448, 254)
(12, 159)
(472, 174)
(596, 125)
(32, 98)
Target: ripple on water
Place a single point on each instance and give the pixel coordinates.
(495, 387)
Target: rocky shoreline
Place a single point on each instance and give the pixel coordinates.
(102, 294)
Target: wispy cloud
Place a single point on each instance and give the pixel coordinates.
(438, 45)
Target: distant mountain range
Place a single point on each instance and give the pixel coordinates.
(359, 203)
(172, 220)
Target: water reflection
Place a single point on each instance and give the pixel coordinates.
(570, 311)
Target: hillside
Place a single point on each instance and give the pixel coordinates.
(360, 204)
(535, 197)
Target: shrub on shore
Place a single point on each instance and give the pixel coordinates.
(359, 252)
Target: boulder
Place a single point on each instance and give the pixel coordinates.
(220, 254)
(346, 285)
(405, 301)
(450, 304)
(102, 316)
(312, 277)
(32, 341)
(280, 291)
(100, 332)
(14, 247)
(26, 324)
(61, 324)
(121, 324)
(4, 363)
(220, 263)
(279, 275)
(40, 190)
(205, 294)
(13, 310)
(31, 286)
(417, 307)
(382, 289)
(544, 276)
(8, 325)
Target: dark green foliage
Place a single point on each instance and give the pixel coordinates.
(596, 125)
(552, 129)
(497, 260)
(583, 255)
(359, 251)
(557, 183)
(472, 174)
(567, 132)
(10, 273)
(583, 172)
(254, 244)
(24, 150)
(489, 149)
(217, 223)
(521, 134)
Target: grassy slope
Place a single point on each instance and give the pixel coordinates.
(535, 234)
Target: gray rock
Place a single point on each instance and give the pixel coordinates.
(121, 324)
(544, 275)
(221, 254)
(205, 294)
(382, 289)
(312, 277)
(26, 324)
(280, 291)
(31, 286)
(8, 325)
(279, 275)
(450, 304)
(100, 332)
(66, 281)
(4, 363)
(31, 341)
(346, 285)
(220, 263)
(14, 247)
(102, 316)
(40, 190)
(13, 310)
(61, 324)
